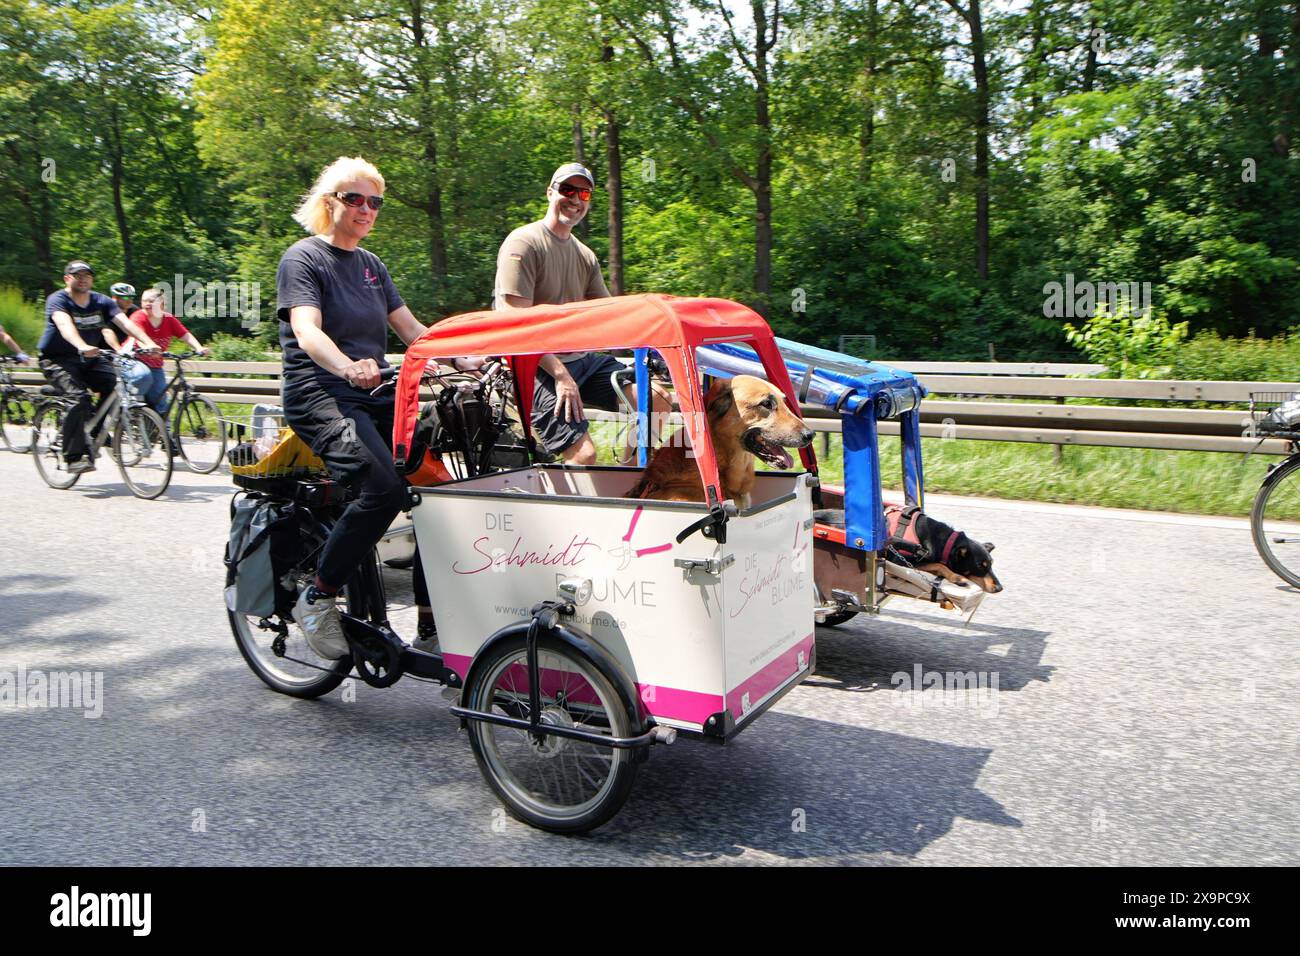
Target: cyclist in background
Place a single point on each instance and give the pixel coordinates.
(75, 319)
(135, 372)
(11, 345)
(162, 327)
(123, 293)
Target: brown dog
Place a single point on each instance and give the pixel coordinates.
(748, 418)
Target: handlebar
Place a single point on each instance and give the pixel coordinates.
(103, 351)
(387, 379)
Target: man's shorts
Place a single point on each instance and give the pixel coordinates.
(591, 372)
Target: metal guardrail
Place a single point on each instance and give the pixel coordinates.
(1052, 422)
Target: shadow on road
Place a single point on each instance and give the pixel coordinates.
(800, 788)
(865, 656)
(31, 600)
(174, 492)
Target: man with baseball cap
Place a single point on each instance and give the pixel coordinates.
(543, 263)
(75, 320)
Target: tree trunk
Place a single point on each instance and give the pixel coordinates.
(613, 187)
(38, 219)
(41, 240)
(117, 178)
(433, 210)
(432, 204)
(1090, 64)
(580, 156)
(614, 191)
(867, 134)
(763, 170)
(982, 122)
(1037, 59)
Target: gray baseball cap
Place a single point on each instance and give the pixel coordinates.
(75, 266)
(573, 169)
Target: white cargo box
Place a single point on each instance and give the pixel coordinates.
(708, 646)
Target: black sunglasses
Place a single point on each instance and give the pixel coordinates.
(356, 200)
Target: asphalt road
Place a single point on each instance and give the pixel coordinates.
(1145, 712)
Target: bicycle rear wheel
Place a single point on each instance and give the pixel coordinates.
(16, 414)
(199, 433)
(275, 649)
(47, 446)
(1275, 521)
(143, 451)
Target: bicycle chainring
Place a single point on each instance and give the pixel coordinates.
(376, 654)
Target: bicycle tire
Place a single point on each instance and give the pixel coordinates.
(518, 770)
(836, 618)
(17, 414)
(1282, 487)
(142, 450)
(47, 447)
(206, 447)
(304, 681)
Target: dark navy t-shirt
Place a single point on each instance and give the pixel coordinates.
(355, 295)
(91, 319)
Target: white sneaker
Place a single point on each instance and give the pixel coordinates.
(427, 641)
(321, 625)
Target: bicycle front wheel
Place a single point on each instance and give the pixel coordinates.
(143, 451)
(1275, 521)
(16, 414)
(558, 783)
(199, 433)
(47, 446)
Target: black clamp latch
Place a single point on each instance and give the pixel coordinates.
(713, 526)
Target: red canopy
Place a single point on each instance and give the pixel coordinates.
(673, 326)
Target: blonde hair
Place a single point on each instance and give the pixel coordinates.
(313, 213)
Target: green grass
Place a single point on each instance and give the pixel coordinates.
(1211, 483)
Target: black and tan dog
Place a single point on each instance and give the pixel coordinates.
(748, 419)
(929, 545)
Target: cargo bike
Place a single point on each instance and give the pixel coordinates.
(577, 628)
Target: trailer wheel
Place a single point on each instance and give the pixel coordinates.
(557, 783)
(837, 618)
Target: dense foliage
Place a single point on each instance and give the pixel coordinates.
(917, 171)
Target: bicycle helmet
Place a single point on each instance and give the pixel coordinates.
(123, 289)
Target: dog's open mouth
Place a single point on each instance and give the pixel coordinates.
(768, 452)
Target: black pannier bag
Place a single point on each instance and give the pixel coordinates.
(263, 548)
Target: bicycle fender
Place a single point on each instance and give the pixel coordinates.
(609, 668)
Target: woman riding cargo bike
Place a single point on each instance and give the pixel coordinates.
(336, 303)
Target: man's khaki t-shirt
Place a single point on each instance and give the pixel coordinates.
(534, 264)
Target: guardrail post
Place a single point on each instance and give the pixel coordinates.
(1058, 453)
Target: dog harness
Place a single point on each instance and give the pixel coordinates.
(905, 541)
